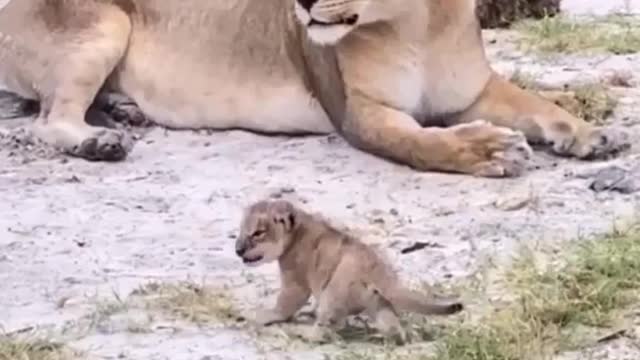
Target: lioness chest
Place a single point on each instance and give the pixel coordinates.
(218, 64)
(428, 73)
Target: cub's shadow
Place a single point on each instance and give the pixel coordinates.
(358, 330)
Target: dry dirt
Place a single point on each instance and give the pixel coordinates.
(82, 231)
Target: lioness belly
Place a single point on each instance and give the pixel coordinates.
(267, 106)
(228, 66)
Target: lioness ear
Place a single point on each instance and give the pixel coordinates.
(284, 214)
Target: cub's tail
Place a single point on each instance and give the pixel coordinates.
(14, 106)
(416, 302)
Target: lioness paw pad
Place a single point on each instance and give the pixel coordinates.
(497, 151)
(105, 145)
(595, 143)
(605, 142)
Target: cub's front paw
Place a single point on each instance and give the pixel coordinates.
(319, 334)
(487, 150)
(266, 317)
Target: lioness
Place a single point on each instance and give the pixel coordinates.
(402, 79)
(344, 275)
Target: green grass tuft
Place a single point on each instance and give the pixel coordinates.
(558, 34)
(598, 280)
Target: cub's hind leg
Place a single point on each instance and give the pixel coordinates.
(384, 315)
(87, 57)
(330, 315)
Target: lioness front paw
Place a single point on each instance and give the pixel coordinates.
(104, 145)
(492, 151)
(594, 143)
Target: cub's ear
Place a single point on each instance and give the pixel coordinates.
(283, 213)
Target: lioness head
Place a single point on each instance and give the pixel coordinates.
(328, 21)
(265, 231)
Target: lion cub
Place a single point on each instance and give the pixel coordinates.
(344, 276)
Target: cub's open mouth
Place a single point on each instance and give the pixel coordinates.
(351, 20)
(251, 260)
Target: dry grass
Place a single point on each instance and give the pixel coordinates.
(555, 307)
(562, 302)
(615, 34)
(105, 309)
(524, 80)
(185, 301)
(191, 302)
(14, 349)
(592, 102)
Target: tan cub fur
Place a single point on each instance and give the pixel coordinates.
(344, 275)
(406, 80)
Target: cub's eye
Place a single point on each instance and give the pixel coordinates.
(351, 20)
(257, 233)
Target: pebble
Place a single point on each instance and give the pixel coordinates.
(614, 178)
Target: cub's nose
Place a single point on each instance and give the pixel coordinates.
(307, 4)
(240, 249)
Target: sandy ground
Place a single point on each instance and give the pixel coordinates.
(76, 230)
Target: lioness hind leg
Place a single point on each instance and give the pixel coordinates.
(542, 121)
(121, 108)
(88, 59)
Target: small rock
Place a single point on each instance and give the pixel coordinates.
(282, 192)
(80, 243)
(512, 203)
(614, 178)
(618, 77)
(556, 203)
(442, 211)
(73, 179)
(72, 280)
